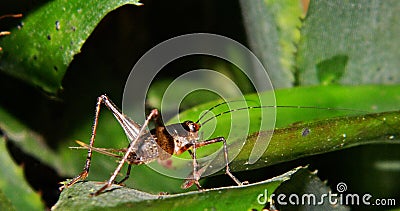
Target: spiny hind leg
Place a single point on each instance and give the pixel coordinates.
(152, 115)
(128, 172)
(103, 99)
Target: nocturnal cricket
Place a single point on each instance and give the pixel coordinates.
(145, 146)
(159, 143)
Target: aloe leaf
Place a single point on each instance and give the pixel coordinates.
(349, 42)
(305, 139)
(42, 49)
(273, 30)
(339, 42)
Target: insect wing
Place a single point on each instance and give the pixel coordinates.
(130, 127)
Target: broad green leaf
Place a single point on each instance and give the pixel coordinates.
(5, 203)
(305, 139)
(42, 49)
(357, 99)
(359, 37)
(13, 183)
(225, 198)
(287, 16)
(355, 130)
(272, 31)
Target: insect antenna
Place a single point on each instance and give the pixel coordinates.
(282, 106)
(219, 104)
(11, 16)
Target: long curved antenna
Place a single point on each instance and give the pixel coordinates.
(219, 104)
(11, 16)
(281, 106)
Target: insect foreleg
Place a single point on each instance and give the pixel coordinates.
(227, 169)
(196, 173)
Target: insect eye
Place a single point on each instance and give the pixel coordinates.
(191, 126)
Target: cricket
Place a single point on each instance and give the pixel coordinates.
(146, 146)
(160, 143)
(3, 33)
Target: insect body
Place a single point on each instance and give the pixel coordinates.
(160, 143)
(145, 146)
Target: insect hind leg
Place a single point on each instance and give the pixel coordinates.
(152, 115)
(103, 99)
(128, 172)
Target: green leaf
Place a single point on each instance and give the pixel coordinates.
(5, 203)
(272, 31)
(357, 99)
(363, 32)
(330, 70)
(316, 137)
(363, 99)
(42, 49)
(312, 136)
(13, 184)
(225, 198)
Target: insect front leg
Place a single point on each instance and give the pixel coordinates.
(197, 174)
